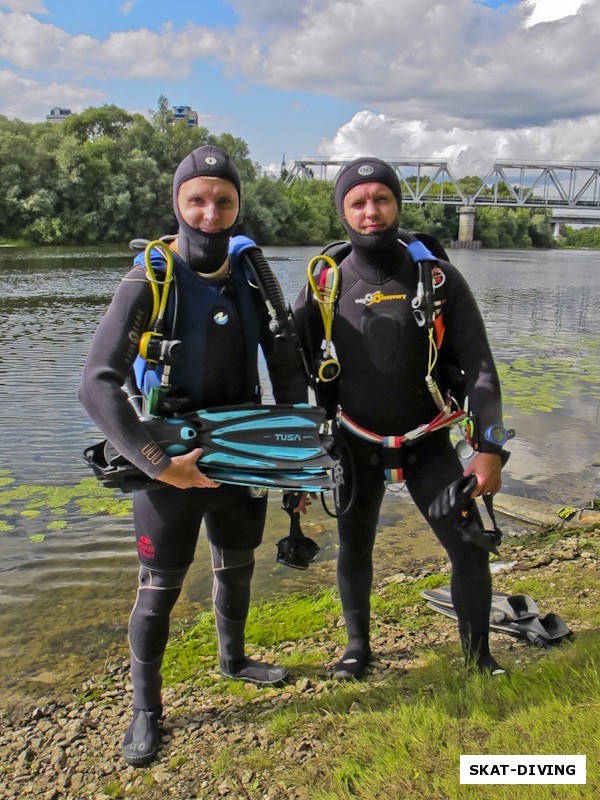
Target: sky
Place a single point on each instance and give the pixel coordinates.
(469, 81)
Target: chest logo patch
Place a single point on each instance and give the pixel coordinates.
(221, 318)
(371, 298)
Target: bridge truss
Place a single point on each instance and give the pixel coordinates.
(560, 185)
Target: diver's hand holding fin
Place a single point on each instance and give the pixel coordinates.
(183, 472)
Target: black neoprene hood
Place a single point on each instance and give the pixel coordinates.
(372, 247)
(365, 170)
(209, 162)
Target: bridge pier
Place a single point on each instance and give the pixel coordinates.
(466, 224)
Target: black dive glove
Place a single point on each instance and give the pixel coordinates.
(455, 503)
(454, 499)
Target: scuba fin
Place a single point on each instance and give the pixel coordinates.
(296, 550)
(300, 481)
(278, 446)
(455, 502)
(512, 607)
(542, 631)
(114, 471)
(251, 436)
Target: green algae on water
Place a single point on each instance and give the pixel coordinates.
(545, 381)
(53, 505)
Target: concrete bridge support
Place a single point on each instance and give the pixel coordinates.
(466, 224)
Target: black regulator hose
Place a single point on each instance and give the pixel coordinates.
(282, 321)
(270, 288)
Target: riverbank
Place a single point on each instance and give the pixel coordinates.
(305, 740)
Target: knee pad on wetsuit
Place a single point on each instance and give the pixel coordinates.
(224, 559)
(233, 570)
(162, 580)
(158, 592)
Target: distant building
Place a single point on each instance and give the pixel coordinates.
(184, 115)
(58, 114)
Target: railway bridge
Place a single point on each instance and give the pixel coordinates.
(571, 190)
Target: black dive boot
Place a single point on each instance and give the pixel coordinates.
(353, 663)
(140, 744)
(250, 671)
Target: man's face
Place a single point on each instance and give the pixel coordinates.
(208, 204)
(370, 207)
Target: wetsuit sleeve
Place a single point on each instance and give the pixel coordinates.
(113, 350)
(466, 349)
(284, 363)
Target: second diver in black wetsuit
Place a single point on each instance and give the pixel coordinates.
(221, 321)
(381, 391)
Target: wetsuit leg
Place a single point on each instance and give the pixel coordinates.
(357, 529)
(430, 467)
(232, 574)
(234, 530)
(158, 591)
(233, 534)
(166, 525)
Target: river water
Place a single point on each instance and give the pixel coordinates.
(67, 560)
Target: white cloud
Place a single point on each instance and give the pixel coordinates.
(453, 80)
(459, 61)
(24, 98)
(29, 44)
(550, 10)
(456, 79)
(32, 45)
(467, 151)
(25, 6)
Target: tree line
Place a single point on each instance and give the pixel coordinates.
(105, 176)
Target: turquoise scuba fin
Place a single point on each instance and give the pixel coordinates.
(252, 436)
(298, 481)
(277, 446)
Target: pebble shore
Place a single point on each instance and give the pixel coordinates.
(69, 749)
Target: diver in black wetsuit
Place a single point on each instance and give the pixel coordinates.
(381, 391)
(221, 321)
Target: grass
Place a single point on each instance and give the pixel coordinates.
(400, 733)
(405, 740)
(411, 749)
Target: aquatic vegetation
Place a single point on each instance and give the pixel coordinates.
(544, 381)
(51, 507)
